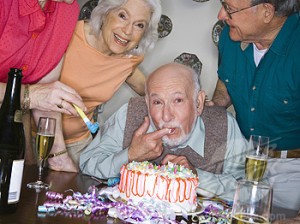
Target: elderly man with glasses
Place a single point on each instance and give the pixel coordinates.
(259, 74)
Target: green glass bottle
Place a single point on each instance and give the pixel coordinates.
(12, 144)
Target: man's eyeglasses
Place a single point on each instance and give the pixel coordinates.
(230, 11)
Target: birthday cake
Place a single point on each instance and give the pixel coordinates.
(171, 183)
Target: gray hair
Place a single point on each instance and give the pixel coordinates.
(150, 36)
(282, 7)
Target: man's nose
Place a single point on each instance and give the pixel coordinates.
(222, 15)
(168, 114)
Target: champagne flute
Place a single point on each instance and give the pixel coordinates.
(256, 158)
(252, 203)
(43, 144)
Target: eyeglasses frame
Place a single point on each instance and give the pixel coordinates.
(225, 6)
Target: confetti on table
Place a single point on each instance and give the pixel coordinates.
(95, 204)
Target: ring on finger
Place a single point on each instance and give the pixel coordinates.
(60, 106)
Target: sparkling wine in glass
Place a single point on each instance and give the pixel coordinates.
(257, 158)
(252, 203)
(43, 144)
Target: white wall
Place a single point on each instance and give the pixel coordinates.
(192, 27)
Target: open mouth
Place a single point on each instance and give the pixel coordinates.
(172, 130)
(121, 40)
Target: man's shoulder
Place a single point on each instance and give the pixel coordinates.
(226, 116)
(211, 112)
(118, 116)
(137, 100)
(137, 106)
(219, 120)
(215, 122)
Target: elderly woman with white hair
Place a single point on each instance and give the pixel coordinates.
(103, 54)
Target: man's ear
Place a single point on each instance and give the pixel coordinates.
(200, 102)
(269, 12)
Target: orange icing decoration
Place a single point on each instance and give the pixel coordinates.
(173, 190)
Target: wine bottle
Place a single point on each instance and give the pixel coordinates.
(12, 144)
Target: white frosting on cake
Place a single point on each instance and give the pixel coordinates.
(171, 183)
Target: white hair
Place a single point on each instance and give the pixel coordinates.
(150, 36)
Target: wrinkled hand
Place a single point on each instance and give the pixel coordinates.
(180, 160)
(146, 146)
(49, 96)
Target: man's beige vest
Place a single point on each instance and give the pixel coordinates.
(215, 121)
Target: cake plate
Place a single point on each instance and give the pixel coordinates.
(199, 209)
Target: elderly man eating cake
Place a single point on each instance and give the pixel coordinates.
(171, 125)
